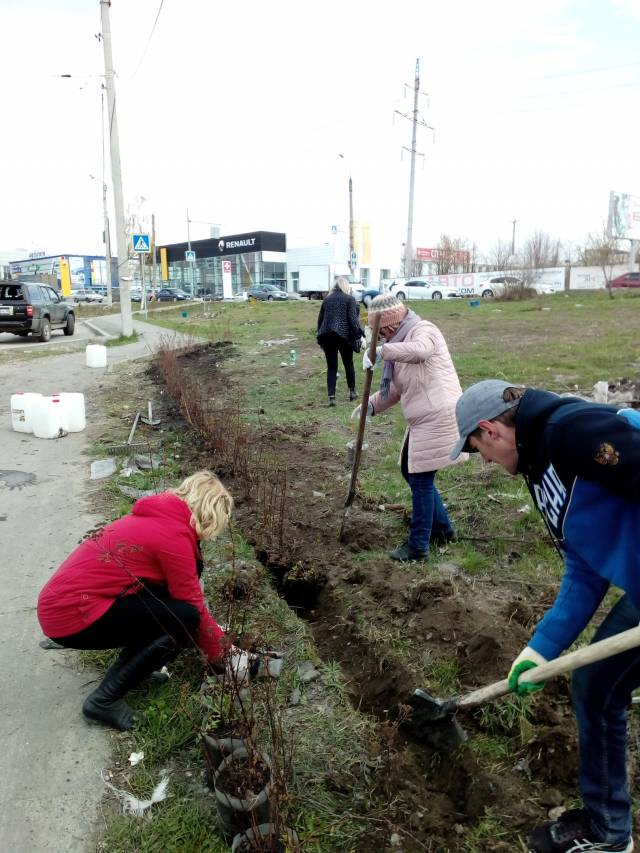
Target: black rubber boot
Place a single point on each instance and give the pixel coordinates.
(405, 553)
(353, 395)
(443, 537)
(106, 704)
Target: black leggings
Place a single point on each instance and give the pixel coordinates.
(332, 345)
(133, 621)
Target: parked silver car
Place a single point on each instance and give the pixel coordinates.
(268, 292)
(86, 296)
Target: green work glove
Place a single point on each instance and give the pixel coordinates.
(527, 659)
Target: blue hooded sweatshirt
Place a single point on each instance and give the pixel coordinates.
(581, 462)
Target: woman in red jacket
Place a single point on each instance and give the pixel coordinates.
(136, 586)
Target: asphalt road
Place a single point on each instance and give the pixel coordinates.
(51, 759)
(15, 342)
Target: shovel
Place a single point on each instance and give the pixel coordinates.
(150, 420)
(375, 329)
(433, 720)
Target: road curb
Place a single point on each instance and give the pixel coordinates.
(98, 331)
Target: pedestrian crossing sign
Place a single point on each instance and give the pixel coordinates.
(141, 243)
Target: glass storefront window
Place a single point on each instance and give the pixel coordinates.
(247, 270)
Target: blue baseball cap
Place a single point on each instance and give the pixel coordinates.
(483, 401)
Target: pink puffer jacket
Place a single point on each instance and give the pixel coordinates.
(427, 386)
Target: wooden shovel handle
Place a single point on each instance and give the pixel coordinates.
(566, 663)
(375, 329)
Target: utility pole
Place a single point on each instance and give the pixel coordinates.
(513, 237)
(352, 248)
(408, 256)
(107, 243)
(415, 120)
(107, 236)
(191, 277)
(154, 266)
(116, 173)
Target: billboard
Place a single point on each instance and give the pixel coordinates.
(459, 256)
(624, 216)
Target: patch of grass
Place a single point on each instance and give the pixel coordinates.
(490, 834)
(510, 716)
(444, 676)
(123, 339)
(492, 747)
(180, 824)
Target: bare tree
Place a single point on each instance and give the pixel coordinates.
(601, 250)
(450, 257)
(540, 251)
(500, 256)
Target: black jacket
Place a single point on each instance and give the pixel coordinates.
(339, 316)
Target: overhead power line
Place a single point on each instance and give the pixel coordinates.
(144, 52)
(589, 70)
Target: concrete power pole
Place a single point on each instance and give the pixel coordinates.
(513, 237)
(107, 243)
(352, 248)
(408, 253)
(116, 173)
(153, 250)
(415, 120)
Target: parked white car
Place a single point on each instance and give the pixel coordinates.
(86, 296)
(418, 288)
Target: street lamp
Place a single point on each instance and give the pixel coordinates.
(352, 250)
(107, 239)
(197, 222)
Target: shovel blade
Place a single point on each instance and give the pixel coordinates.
(433, 721)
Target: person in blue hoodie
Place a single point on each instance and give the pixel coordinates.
(581, 462)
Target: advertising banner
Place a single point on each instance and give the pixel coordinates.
(460, 257)
(624, 216)
(65, 277)
(227, 286)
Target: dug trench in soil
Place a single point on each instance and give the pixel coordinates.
(359, 610)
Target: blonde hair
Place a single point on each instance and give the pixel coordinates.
(210, 503)
(343, 285)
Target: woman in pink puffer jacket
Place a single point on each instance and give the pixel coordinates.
(419, 374)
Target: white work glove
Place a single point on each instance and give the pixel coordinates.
(237, 666)
(366, 361)
(355, 414)
(527, 659)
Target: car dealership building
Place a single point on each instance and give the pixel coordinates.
(217, 264)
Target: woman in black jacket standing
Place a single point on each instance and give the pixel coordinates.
(339, 332)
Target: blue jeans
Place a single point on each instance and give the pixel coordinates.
(601, 695)
(429, 515)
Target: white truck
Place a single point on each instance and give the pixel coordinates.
(316, 280)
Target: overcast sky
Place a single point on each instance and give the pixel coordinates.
(239, 112)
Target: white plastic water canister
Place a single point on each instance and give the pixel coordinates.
(75, 418)
(49, 417)
(96, 355)
(22, 410)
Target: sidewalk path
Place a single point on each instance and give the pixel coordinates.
(51, 759)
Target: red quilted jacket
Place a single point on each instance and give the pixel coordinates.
(155, 543)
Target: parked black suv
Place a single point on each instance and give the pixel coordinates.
(32, 307)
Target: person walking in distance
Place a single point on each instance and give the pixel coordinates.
(135, 586)
(581, 463)
(339, 331)
(419, 374)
